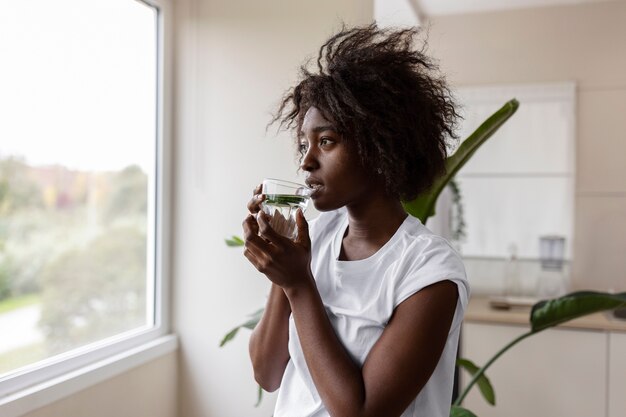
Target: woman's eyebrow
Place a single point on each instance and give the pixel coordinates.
(319, 129)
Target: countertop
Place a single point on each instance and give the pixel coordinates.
(479, 311)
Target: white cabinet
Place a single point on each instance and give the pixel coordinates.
(556, 373)
(617, 375)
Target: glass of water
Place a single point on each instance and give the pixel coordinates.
(282, 201)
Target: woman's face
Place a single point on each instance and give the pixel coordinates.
(332, 165)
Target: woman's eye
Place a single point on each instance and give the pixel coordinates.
(326, 141)
(302, 148)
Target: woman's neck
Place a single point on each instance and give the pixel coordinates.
(370, 227)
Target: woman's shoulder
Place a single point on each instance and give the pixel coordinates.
(424, 259)
(423, 247)
(420, 235)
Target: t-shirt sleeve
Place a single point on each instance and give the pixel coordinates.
(431, 259)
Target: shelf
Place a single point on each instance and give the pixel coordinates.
(480, 311)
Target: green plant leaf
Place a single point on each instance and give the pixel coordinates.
(484, 385)
(234, 241)
(249, 324)
(553, 312)
(259, 397)
(423, 206)
(457, 411)
(230, 336)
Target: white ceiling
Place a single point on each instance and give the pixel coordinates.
(406, 12)
(439, 7)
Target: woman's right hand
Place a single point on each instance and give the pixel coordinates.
(250, 225)
(254, 205)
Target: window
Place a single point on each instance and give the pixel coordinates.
(81, 184)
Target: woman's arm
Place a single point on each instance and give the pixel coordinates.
(397, 367)
(268, 348)
(268, 343)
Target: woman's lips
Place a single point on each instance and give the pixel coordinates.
(315, 187)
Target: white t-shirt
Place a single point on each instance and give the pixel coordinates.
(360, 297)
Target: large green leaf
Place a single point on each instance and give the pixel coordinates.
(457, 411)
(424, 205)
(249, 324)
(553, 312)
(483, 382)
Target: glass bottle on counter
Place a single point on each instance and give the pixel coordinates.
(512, 278)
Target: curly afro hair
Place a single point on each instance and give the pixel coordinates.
(385, 96)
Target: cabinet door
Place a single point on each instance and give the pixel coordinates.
(556, 373)
(617, 375)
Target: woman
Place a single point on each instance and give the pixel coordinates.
(365, 307)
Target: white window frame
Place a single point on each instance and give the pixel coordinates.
(60, 376)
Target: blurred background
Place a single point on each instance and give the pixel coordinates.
(78, 174)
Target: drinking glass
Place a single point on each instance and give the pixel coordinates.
(282, 201)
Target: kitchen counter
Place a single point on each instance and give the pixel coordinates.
(480, 311)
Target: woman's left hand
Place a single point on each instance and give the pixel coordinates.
(286, 262)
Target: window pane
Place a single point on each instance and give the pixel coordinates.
(77, 174)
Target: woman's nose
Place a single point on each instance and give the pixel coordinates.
(309, 161)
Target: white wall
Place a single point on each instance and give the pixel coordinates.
(148, 390)
(235, 60)
(581, 43)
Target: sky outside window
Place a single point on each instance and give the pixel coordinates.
(77, 82)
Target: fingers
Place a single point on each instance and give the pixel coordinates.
(254, 205)
(303, 229)
(255, 248)
(250, 227)
(251, 234)
(267, 232)
(257, 258)
(259, 234)
(251, 257)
